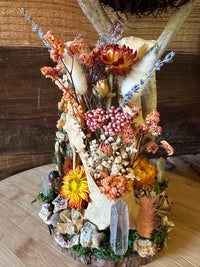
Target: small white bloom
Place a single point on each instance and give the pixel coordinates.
(103, 137)
(118, 159)
(111, 139)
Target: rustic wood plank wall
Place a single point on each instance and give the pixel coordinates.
(28, 101)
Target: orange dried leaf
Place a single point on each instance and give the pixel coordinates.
(145, 218)
(67, 165)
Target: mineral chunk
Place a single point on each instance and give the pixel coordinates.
(145, 247)
(46, 213)
(90, 237)
(60, 203)
(119, 227)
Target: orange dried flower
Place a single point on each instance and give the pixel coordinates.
(77, 47)
(57, 46)
(168, 148)
(118, 59)
(128, 134)
(114, 186)
(145, 172)
(152, 147)
(145, 219)
(53, 73)
(86, 59)
(75, 188)
(60, 123)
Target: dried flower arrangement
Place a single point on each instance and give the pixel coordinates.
(106, 201)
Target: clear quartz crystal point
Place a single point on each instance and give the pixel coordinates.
(119, 227)
(161, 169)
(45, 190)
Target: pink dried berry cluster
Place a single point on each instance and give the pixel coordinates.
(118, 121)
(96, 118)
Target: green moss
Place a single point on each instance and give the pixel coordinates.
(159, 237)
(41, 197)
(159, 187)
(105, 251)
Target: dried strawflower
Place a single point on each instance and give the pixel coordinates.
(145, 219)
(119, 59)
(168, 148)
(144, 172)
(75, 188)
(101, 89)
(114, 186)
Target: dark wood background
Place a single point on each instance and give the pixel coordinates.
(28, 101)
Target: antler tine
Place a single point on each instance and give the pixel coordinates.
(173, 26)
(97, 16)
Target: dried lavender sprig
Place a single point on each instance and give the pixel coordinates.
(158, 64)
(35, 27)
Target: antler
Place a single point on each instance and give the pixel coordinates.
(173, 26)
(97, 16)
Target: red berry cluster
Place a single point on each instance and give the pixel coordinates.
(96, 118)
(118, 121)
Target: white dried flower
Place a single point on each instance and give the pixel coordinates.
(111, 139)
(124, 154)
(118, 159)
(103, 137)
(116, 168)
(125, 163)
(115, 146)
(119, 140)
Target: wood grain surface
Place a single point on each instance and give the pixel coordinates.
(25, 240)
(67, 20)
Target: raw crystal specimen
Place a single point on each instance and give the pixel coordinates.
(161, 169)
(119, 227)
(45, 190)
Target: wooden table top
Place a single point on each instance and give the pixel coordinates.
(25, 240)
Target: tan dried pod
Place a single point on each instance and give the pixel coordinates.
(67, 228)
(77, 219)
(65, 216)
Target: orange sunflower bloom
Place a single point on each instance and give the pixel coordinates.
(75, 188)
(144, 172)
(118, 59)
